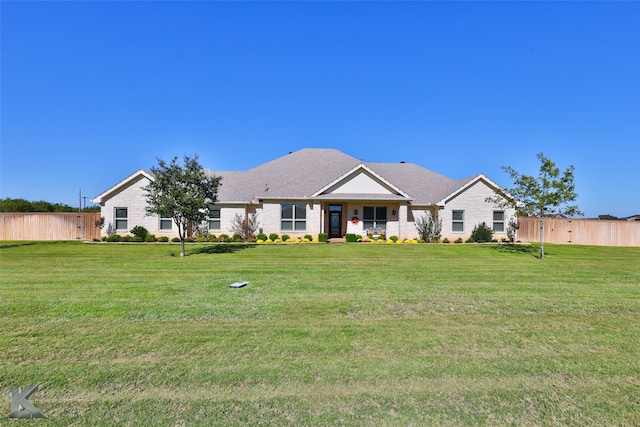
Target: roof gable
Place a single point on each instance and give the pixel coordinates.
(131, 179)
(465, 184)
(361, 180)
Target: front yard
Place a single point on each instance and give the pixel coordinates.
(324, 334)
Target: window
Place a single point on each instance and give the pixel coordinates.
(457, 223)
(121, 219)
(374, 217)
(166, 223)
(498, 221)
(214, 219)
(293, 217)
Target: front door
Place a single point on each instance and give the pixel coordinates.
(335, 221)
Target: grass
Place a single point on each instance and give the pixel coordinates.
(125, 334)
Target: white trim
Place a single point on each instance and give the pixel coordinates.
(469, 184)
(101, 198)
(364, 167)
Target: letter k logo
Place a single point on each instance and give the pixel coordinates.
(21, 407)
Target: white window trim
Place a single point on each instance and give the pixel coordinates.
(457, 221)
(117, 218)
(294, 220)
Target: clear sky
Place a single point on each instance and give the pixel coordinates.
(93, 91)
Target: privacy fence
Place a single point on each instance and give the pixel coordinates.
(580, 231)
(49, 226)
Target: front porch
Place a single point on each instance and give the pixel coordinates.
(367, 219)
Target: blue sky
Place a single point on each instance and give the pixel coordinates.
(93, 91)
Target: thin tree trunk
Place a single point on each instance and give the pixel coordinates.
(183, 235)
(541, 237)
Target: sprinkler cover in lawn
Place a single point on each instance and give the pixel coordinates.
(238, 285)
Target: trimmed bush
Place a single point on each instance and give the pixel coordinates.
(458, 240)
(139, 232)
(323, 237)
(393, 238)
(150, 238)
(273, 237)
(163, 239)
(126, 238)
(285, 238)
(309, 237)
(176, 240)
(445, 240)
(351, 237)
(262, 236)
(482, 233)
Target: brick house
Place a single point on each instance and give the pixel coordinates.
(314, 191)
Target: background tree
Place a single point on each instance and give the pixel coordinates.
(548, 194)
(182, 192)
(22, 205)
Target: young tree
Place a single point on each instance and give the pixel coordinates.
(182, 192)
(245, 227)
(547, 195)
(428, 228)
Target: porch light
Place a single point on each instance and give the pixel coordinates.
(393, 212)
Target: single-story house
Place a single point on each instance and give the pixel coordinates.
(314, 191)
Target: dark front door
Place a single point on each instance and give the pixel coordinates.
(335, 221)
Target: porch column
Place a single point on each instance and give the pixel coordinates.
(402, 221)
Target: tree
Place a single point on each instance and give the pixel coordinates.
(428, 228)
(245, 227)
(549, 194)
(182, 192)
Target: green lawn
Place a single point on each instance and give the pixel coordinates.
(325, 334)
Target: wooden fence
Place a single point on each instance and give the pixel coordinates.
(49, 226)
(580, 231)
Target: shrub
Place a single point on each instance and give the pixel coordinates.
(140, 232)
(244, 227)
(224, 238)
(285, 237)
(237, 238)
(428, 228)
(262, 236)
(150, 238)
(163, 239)
(176, 240)
(393, 238)
(309, 237)
(482, 233)
(135, 239)
(273, 237)
(188, 240)
(445, 240)
(470, 240)
(323, 237)
(458, 240)
(351, 238)
(126, 238)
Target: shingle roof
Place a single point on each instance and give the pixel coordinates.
(302, 173)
